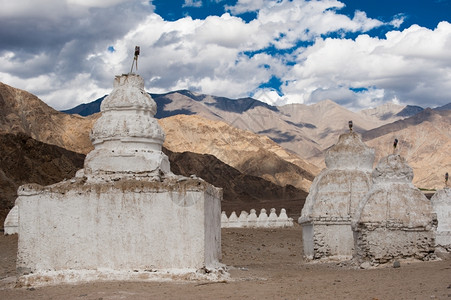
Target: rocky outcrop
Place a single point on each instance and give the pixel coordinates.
(394, 220)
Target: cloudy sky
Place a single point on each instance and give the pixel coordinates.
(357, 53)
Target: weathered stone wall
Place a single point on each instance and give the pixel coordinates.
(329, 239)
(380, 244)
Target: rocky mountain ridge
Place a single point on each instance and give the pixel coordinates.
(307, 130)
(314, 126)
(299, 126)
(252, 154)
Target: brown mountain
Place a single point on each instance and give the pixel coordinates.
(424, 140)
(72, 132)
(302, 129)
(314, 127)
(248, 152)
(22, 112)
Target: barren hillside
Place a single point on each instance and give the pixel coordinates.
(23, 112)
(250, 153)
(424, 140)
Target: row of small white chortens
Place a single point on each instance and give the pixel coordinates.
(252, 220)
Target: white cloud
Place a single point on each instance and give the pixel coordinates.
(192, 3)
(67, 63)
(243, 6)
(95, 3)
(398, 20)
(411, 65)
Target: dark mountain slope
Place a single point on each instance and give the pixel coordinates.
(241, 192)
(225, 104)
(86, 109)
(26, 160)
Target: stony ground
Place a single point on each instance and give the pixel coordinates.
(263, 264)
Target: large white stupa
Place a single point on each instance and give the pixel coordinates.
(333, 198)
(125, 215)
(394, 220)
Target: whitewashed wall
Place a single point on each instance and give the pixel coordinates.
(121, 226)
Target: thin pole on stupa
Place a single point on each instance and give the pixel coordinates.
(395, 144)
(135, 59)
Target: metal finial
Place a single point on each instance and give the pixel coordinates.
(395, 144)
(135, 59)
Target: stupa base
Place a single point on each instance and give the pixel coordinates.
(80, 227)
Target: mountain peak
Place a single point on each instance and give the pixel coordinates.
(383, 112)
(325, 103)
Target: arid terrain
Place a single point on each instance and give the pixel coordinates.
(263, 264)
(255, 171)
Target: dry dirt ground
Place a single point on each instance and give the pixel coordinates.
(263, 264)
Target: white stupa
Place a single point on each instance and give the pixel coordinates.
(125, 215)
(441, 204)
(333, 198)
(394, 220)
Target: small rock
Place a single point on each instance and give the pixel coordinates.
(396, 264)
(365, 265)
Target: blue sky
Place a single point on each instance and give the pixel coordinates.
(358, 53)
